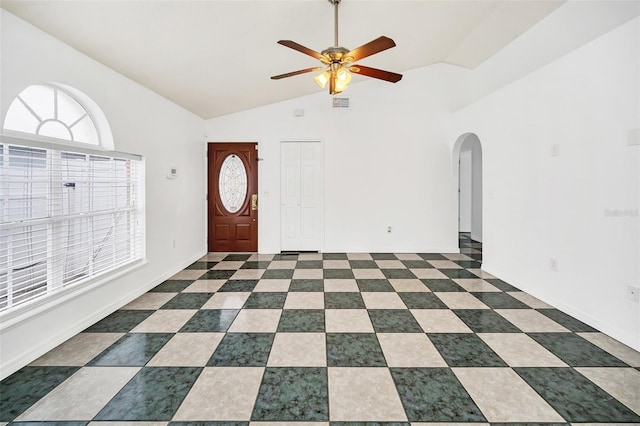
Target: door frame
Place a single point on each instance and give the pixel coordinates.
(257, 165)
(477, 182)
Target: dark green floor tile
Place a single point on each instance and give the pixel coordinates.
(465, 350)
(337, 274)
(417, 264)
(530, 424)
(218, 274)
(458, 273)
(393, 321)
(172, 286)
(286, 256)
(238, 286)
(421, 300)
(132, 350)
(266, 300)
(374, 285)
(306, 285)
(383, 256)
(432, 256)
(567, 321)
(442, 285)
(26, 386)
(501, 284)
(469, 264)
(210, 321)
(576, 398)
(277, 274)
(309, 264)
(155, 393)
(354, 350)
(363, 264)
(202, 265)
(242, 350)
(434, 395)
(302, 321)
(208, 423)
(576, 351)
(188, 301)
(485, 321)
(47, 423)
(334, 256)
(256, 265)
(293, 394)
(496, 300)
(340, 300)
(369, 424)
(237, 257)
(119, 322)
(398, 274)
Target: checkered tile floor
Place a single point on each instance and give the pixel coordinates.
(332, 338)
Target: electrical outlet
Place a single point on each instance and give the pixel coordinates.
(633, 293)
(553, 264)
(388, 229)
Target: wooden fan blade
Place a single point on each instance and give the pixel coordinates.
(371, 48)
(291, 74)
(376, 73)
(300, 48)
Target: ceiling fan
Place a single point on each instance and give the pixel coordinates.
(337, 61)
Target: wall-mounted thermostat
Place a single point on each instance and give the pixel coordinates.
(172, 173)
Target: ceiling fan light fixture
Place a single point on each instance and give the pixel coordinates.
(322, 78)
(343, 76)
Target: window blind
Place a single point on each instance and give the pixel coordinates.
(67, 216)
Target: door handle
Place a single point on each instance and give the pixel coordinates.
(254, 202)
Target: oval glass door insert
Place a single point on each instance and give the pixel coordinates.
(232, 183)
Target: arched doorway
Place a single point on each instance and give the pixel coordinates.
(467, 166)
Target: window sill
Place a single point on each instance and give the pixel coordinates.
(21, 313)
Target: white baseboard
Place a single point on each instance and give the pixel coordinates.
(619, 335)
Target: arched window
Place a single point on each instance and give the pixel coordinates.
(47, 110)
(71, 209)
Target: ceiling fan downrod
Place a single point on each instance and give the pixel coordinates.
(335, 4)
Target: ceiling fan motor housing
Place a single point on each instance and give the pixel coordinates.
(336, 54)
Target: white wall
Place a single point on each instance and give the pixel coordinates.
(143, 123)
(387, 161)
(469, 147)
(539, 207)
(476, 188)
(464, 193)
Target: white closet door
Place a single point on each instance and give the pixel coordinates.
(290, 196)
(301, 196)
(311, 196)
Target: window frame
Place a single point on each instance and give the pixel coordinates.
(56, 296)
(89, 111)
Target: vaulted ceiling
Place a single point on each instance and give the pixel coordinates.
(215, 57)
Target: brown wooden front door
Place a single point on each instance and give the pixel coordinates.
(232, 201)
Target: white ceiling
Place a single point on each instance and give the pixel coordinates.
(215, 57)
